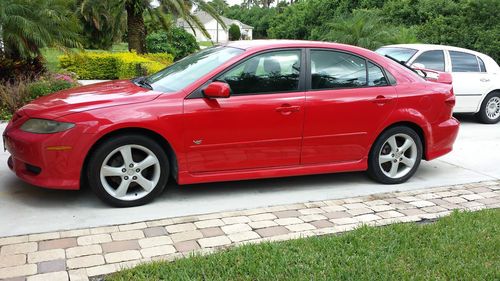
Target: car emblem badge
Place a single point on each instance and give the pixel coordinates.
(197, 141)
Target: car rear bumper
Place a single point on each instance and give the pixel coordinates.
(443, 137)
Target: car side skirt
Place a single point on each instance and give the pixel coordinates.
(274, 172)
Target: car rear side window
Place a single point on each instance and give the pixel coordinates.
(432, 60)
(463, 62)
(271, 72)
(334, 70)
(376, 76)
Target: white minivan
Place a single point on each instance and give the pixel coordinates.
(476, 76)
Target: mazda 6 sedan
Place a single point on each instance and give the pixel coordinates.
(245, 110)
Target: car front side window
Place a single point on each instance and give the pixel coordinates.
(271, 72)
(433, 60)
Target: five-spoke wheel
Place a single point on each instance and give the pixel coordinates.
(395, 156)
(128, 170)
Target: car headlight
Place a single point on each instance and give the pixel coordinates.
(43, 126)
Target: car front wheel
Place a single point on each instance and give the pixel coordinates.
(128, 170)
(490, 109)
(395, 155)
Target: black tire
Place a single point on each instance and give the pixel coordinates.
(482, 115)
(375, 170)
(110, 145)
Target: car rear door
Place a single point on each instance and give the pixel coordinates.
(348, 98)
(259, 125)
(470, 80)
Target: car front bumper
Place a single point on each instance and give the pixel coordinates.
(47, 160)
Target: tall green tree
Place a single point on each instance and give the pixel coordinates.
(26, 26)
(102, 23)
(135, 11)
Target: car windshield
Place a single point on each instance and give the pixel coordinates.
(186, 71)
(398, 53)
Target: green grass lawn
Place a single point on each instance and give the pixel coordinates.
(463, 246)
(51, 54)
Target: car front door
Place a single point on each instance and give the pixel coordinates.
(347, 100)
(470, 80)
(258, 126)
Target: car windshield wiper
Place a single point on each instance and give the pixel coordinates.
(143, 82)
(401, 63)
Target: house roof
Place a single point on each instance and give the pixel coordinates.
(206, 18)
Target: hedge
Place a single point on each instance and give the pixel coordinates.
(105, 65)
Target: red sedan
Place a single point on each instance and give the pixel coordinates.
(246, 110)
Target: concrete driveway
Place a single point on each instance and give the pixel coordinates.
(28, 209)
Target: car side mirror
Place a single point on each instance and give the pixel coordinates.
(216, 90)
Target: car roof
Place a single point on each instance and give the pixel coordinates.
(428, 47)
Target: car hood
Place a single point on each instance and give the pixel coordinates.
(88, 97)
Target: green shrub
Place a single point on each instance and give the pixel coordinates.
(44, 87)
(15, 94)
(234, 32)
(176, 41)
(105, 65)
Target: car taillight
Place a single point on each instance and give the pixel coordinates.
(450, 101)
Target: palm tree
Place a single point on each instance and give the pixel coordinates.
(136, 9)
(362, 29)
(102, 22)
(26, 26)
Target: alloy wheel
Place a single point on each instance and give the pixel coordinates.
(130, 172)
(398, 156)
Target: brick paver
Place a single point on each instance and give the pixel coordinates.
(82, 253)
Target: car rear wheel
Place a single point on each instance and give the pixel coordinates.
(395, 155)
(128, 170)
(490, 109)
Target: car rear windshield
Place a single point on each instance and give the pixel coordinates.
(399, 53)
(186, 71)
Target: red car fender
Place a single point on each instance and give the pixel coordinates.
(402, 116)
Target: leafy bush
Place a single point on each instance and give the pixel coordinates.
(176, 41)
(255, 16)
(15, 94)
(234, 32)
(364, 28)
(89, 65)
(10, 69)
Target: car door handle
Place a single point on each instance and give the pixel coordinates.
(287, 109)
(484, 80)
(381, 100)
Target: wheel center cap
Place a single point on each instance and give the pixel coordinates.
(130, 172)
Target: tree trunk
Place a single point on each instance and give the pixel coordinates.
(136, 29)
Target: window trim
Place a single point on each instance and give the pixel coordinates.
(481, 61)
(302, 75)
(366, 86)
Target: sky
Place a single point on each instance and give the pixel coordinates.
(233, 2)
